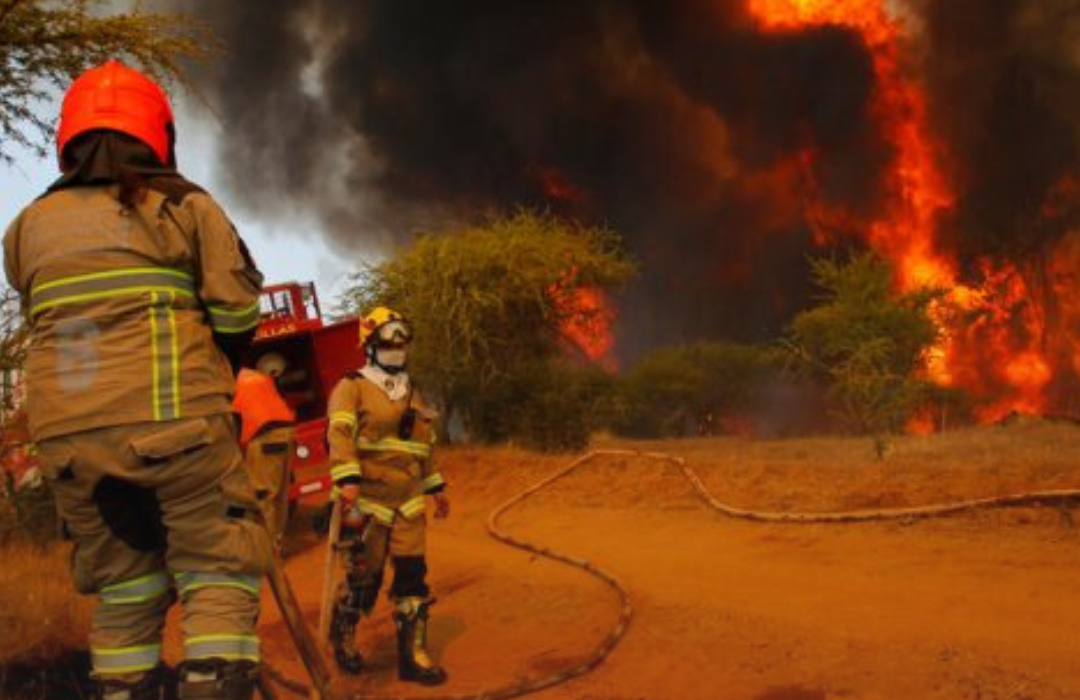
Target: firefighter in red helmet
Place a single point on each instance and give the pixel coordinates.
(140, 299)
(381, 435)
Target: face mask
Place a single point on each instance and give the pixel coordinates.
(390, 358)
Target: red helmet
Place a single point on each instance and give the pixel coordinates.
(116, 97)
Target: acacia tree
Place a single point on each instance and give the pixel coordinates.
(868, 342)
(490, 303)
(44, 44)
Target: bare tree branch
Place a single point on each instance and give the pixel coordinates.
(46, 43)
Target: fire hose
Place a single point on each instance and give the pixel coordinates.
(608, 643)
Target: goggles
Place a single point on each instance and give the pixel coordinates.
(393, 333)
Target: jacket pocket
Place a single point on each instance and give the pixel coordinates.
(175, 439)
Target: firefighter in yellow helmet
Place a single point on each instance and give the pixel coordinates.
(140, 300)
(381, 436)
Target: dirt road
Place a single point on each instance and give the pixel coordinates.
(979, 606)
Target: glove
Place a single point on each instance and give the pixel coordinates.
(351, 517)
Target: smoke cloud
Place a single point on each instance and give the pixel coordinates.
(677, 122)
(1003, 77)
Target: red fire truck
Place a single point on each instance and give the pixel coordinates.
(317, 355)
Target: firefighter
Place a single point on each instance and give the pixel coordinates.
(140, 299)
(267, 438)
(381, 434)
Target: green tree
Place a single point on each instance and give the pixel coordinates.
(690, 389)
(491, 304)
(44, 44)
(868, 342)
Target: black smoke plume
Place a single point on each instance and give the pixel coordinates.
(677, 122)
(1003, 78)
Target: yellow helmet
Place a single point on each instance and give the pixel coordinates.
(384, 325)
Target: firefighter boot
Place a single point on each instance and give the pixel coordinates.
(343, 638)
(217, 679)
(147, 686)
(356, 598)
(414, 663)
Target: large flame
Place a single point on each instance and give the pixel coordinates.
(993, 333)
(905, 231)
(586, 318)
(588, 326)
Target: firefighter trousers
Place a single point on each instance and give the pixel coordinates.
(156, 510)
(403, 543)
(267, 461)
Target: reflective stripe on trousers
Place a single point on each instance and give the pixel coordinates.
(138, 590)
(232, 647)
(190, 581)
(125, 659)
(132, 599)
(209, 634)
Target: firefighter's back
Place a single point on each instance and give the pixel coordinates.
(120, 335)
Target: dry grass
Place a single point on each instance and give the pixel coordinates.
(836, 473)
(800, 474)
(41, 615)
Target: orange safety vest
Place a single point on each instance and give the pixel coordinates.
(258, 402)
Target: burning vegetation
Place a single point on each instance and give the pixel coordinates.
(729, 141)
(995, 338)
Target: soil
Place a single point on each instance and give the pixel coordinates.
(976, 606)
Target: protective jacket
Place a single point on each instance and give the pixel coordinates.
(259, 404)
(385, 445)
(126, 303)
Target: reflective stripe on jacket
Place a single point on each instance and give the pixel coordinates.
(123, 305)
